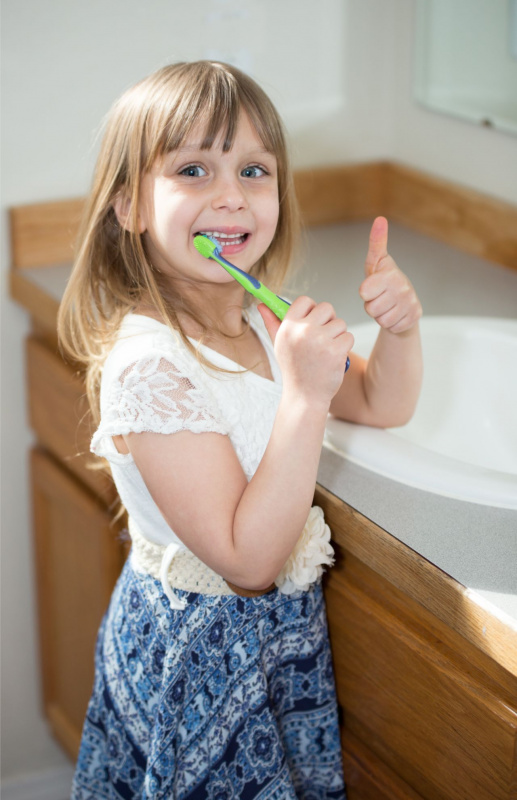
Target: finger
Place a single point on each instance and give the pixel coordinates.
(402, 325)
(377, 246)
(390, 318)
(323, 313)
(380, 306)
(336, 327)
(271, 320)
(373, 286)
(389, 277)
(301, 307)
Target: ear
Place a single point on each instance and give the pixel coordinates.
(122, 209)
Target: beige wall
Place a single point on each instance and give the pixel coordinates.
(340, 71)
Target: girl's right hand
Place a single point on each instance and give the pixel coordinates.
(311, 345)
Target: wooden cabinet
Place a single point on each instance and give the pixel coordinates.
(426, 712)
(78, 548)
(78, 559)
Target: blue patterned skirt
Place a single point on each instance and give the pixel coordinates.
(231, 699)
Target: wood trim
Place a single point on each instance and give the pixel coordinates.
(43, 234)
(341, 193)
(471, 221)
(420, 580)
(40, 305)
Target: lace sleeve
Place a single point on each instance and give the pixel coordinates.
(153, 394)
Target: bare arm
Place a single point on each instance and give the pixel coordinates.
(384, 390)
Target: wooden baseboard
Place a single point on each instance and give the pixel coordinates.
(43, 234)
(341, 193)
(471, 221)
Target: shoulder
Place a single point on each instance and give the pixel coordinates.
(141, 332)
(151, 382)
(143, 338)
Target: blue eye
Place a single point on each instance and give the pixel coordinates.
(193, 171)
(253, 171)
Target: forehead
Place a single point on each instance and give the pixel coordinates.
(245, 137)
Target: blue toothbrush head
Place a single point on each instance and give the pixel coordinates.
(217, 250)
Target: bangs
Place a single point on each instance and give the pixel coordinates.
(209, 94)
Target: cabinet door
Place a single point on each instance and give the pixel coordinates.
(58, 412)
(425, 711)
(79, 556)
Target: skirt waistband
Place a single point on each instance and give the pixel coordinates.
(179, 568)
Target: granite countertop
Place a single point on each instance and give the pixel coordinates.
(476, 545)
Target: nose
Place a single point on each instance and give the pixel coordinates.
(229, 194)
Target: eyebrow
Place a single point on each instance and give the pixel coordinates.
(192, 148)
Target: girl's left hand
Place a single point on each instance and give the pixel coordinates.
(388, 295)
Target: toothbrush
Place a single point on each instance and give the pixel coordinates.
(209, 249)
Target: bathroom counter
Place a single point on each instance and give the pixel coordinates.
(474, 544)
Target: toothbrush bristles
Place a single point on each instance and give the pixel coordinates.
(217, 250)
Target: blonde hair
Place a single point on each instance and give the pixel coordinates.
(112, 272)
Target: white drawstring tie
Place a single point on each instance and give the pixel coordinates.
(170, 552)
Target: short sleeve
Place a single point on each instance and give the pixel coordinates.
(153, 394)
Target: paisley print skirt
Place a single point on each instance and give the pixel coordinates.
(231, 699)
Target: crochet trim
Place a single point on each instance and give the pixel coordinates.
(183, 570)
(186, 571)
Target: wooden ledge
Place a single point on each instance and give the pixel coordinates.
(469, 220)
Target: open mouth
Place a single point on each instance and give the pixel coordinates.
(225, 239)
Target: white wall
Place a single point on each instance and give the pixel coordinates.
(339, 71)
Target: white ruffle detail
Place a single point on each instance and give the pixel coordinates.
(311, 552)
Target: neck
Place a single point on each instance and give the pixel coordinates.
(219, 307)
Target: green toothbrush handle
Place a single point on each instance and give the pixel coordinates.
(273, 301)
(252, 285)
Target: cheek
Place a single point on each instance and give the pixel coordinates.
(172, 217)
(269, 215)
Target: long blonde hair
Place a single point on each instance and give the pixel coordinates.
(112, 272)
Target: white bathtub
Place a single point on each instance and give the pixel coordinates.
(462, 440)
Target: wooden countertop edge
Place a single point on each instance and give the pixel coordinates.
(425, 583)
(39, 303)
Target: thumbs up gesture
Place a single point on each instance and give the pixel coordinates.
(388, 295)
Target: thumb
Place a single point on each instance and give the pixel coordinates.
(377, 246)
(271, 320)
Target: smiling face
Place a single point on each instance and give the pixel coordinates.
(231, 196)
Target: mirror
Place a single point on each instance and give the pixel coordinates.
(466, 60)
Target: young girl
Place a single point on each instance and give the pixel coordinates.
(213, 670)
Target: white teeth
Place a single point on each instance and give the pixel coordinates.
(219, 235)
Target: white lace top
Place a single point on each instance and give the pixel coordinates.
(151, 382)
